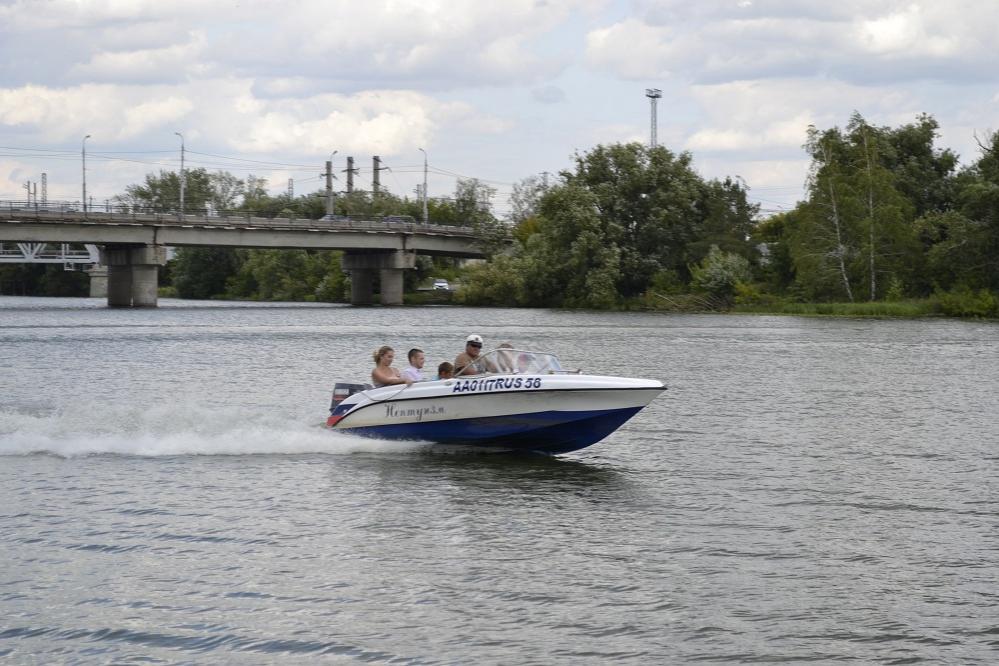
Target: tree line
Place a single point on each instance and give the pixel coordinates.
(887, 216)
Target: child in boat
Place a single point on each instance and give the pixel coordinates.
(445, 371)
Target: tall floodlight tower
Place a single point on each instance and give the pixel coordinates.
(653, 94)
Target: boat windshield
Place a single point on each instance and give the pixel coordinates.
(520, 362)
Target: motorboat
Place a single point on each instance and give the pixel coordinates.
(518, 400)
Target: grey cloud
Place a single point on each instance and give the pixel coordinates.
(548, 95)
(709, 46)
(672, 12)
(272, 45)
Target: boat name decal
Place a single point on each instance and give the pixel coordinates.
(418, 412)
(496, 384)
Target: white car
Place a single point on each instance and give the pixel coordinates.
(441, 285)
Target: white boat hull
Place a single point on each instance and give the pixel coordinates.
(548, 413)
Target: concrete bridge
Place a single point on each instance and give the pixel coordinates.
(133, 245)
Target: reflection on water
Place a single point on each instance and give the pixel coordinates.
(489, 469)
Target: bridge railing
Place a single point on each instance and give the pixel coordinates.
(68, 211)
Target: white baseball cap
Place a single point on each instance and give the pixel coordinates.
(474, 338)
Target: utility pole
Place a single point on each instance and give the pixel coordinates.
(84, 151)
(329, 188)
(182, 178)
(653, 94)
(329, 184)
(45, 188)
(425, 221)
(291, 188)
(376, 169)
(350, 170)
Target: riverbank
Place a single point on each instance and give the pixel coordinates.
(961, 303)
(969, 305)
(901, 309)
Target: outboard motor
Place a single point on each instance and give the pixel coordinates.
(343, 391)
(340, 393)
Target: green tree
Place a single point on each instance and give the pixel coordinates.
(225, 190)
(42, 280)
(654, 208)
(569, 262)
(826, 242)
(878, 200)
(923, 173)
(889, 245)
(776, 266)
(497, 282)
(203, 272)
(728, 219)
(254, 193)
(161, 193)
(978, 199)
(719, 273)
(525, 199)
(856, 232)
(288, 275)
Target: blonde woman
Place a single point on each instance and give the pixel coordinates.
(384, 374)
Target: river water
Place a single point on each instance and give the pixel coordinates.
(806, 490)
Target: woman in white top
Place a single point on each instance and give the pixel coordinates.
(384, 374)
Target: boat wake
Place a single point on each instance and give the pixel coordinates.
(176, 429)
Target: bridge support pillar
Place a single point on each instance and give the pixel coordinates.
(98, 281)
(391, 282)
(390, 266)
(362, 286)
(133, 274)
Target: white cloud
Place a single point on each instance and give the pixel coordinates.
(383, 122)
(114, 113)
(421, 44)
(853, 41)
(154, 113)
(170, 63)
(632, 49)
(378, 122)
(29, 15)
(789, 133)
(613, 133)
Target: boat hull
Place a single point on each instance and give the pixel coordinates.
(539, 432)
(556, 416)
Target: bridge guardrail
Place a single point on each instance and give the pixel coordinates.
(68, 213)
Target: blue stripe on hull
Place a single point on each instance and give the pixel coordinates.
(545, 432)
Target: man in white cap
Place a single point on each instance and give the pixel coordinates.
(468, 361)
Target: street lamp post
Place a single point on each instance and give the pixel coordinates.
(182, 179)
(424, 185)
(84, 153)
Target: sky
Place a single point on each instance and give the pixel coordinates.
(498, 91)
